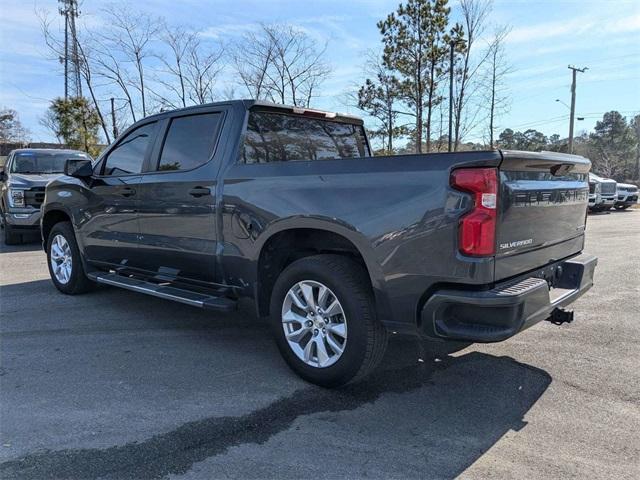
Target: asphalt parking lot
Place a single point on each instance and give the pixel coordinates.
(118, 385)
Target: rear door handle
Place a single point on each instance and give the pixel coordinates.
(127, 192)
(199, 192)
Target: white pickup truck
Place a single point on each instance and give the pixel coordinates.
(602, 193)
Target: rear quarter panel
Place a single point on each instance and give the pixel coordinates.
(398, 211)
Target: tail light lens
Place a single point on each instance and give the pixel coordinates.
(478, 227)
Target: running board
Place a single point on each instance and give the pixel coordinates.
(195, 299)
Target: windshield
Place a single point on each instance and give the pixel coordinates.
(43, 162)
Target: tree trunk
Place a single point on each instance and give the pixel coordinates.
(430, 104)
(141, 76)
(99, 112)
(419, 129)
(493, 104)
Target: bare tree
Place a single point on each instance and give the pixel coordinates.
(497, 69)
(110, 68)
(252, 58)
(49, 121)
(281, 64)
(86, 73)
(82, 49)
(131, 33)
(11, 129)
(203, 65)
(189, 71)
(474, 16)
(174, 65)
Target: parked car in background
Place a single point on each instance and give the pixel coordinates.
(595, 198)
(22, 181)
(286, 206)
(607, 193)
(626, 195)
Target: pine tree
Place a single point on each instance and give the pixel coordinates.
(76, 122)
(379, 98)
(415, 43)
(613, 144)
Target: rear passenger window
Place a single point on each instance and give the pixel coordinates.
(189, 142)
(275, 137)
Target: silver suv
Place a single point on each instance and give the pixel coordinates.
(22, 181)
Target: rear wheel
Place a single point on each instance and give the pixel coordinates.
(324, 320)
(63, 259)
(621, 207)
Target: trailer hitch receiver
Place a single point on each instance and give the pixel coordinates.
(560, 316)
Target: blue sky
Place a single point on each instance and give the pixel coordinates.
(546, 36)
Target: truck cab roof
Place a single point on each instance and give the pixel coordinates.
(249, 104)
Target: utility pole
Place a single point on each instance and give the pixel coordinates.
(573, 102)
(66, 57)
(453, 46)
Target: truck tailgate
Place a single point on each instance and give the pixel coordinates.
(542, 210)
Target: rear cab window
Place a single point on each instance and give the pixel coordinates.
(280, 137)
(190, 141)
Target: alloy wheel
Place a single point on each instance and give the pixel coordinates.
(314, 323)
(61, 259)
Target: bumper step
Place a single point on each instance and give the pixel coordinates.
(501, 312)
(196, 299)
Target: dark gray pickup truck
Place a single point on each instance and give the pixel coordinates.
(286, 205)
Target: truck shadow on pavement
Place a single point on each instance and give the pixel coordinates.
(448, 410)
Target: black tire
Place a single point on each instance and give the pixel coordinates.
(78, 281)
(367, 337)
(621, 207)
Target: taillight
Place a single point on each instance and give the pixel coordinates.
(478, 227)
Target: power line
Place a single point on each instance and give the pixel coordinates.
(533, 123)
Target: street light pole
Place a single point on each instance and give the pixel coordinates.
(573, 102)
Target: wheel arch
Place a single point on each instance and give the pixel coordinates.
(297, 238)
(50, 218)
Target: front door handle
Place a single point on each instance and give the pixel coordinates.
(127, 192)
(199, 192)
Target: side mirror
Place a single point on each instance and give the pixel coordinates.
(78, 167)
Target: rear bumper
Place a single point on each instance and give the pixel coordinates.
(508, 308)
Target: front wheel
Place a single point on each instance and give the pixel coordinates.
(63, 259)
(621, 207)
(324, 320)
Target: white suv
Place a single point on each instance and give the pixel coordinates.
(626, 195)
